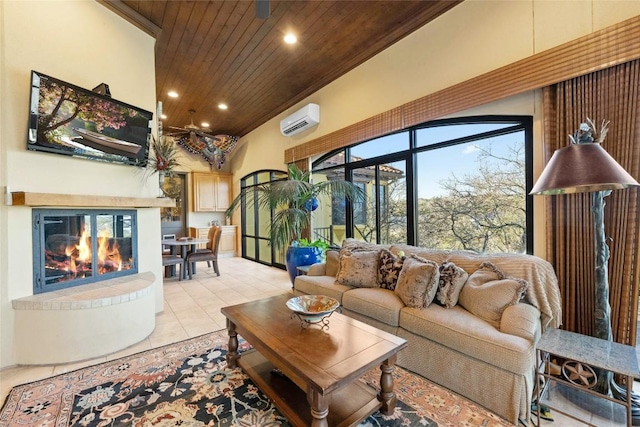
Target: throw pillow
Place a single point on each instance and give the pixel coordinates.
(417, 282)
(488, 292)
(358, 269)
(452, 279)
(389, 267)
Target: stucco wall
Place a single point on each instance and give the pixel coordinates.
(83, 43)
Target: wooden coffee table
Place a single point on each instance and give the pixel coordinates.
(320, 368)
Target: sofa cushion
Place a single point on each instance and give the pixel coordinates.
(317, 269)
(488, 292)
(332, 261)
(418, 282)
(522, 320)
(452, 279)
(320, 285)
(377, 303)
(389, 267)
(466, 333)
(358, 269)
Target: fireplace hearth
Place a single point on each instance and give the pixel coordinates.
(73, 247)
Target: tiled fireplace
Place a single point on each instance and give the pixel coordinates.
(73, 247)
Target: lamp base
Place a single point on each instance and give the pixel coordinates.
(611, 388)
(620, 393)
(603, 408)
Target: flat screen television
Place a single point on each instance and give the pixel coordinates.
(67, 119)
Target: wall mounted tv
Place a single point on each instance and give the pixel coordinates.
(67, 119)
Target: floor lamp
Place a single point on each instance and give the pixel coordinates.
(584, 166)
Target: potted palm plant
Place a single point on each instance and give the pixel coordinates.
(293, 201)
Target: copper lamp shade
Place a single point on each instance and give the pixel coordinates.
(581, 168)
(586, 167)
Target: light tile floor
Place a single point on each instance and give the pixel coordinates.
(192, 308)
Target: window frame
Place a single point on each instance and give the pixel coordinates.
(250, 181)
(521, 123)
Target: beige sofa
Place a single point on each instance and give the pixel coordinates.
(491, 362)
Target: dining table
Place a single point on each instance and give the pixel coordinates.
(185, 244)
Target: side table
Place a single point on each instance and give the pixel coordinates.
(582, 353)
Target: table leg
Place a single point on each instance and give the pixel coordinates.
(232, 354)
(172, 268)
(319, 408)
(629, 400)
(387, 395)
(183, 253)
(544, 364)
(193, 264)
(168, 271)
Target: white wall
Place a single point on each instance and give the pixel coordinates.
(473, 38)
(83, 43)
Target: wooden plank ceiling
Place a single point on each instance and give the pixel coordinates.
(219, 51)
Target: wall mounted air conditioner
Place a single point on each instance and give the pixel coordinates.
(303, 119)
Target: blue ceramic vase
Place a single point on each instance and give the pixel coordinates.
(297, 256)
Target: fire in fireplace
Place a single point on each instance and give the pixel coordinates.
(76, 247)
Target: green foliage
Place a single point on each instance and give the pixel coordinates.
(288, 199)
(482, 211)
(305, 243)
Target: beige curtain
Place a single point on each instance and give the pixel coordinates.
(612, 94)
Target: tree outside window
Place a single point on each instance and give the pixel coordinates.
(469, 192)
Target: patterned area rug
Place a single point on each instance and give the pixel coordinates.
(188, 384)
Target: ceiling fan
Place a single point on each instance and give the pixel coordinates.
(213, 148)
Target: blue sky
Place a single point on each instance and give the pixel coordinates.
(460, 160)
(436, 165)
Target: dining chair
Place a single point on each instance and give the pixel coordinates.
(210, 253)
(169, 260)
(167, 249)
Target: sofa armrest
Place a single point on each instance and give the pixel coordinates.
(522, 320)
(318, 269)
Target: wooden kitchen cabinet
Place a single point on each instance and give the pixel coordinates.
(211, 191)
(228, 241)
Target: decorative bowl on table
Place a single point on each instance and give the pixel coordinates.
(312, 308)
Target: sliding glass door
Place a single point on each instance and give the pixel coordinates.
(256, 244)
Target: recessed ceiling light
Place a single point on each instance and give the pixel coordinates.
(164, 116)
(173, 94)
(290, 38)
(204, 124)
(222, 106)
